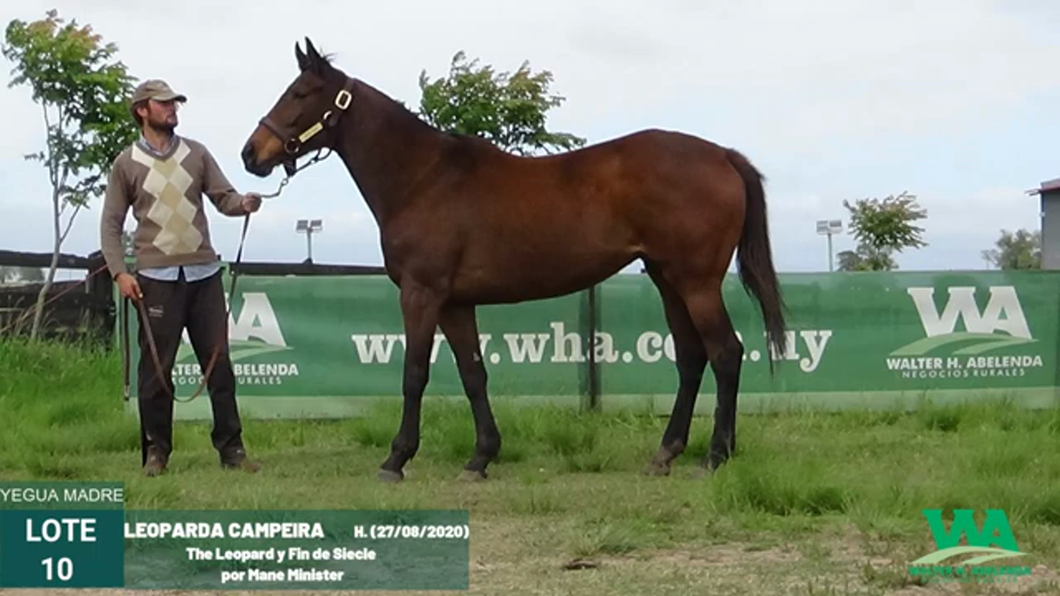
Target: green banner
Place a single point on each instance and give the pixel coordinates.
(862, 332)
(306, 346)
(313, 345)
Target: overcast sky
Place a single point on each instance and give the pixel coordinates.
(951, 100)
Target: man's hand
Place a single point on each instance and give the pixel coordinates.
(128, 286)
(251, 202)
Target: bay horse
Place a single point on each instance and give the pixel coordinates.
(463, 223)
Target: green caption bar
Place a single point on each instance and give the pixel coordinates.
(305, 550)
(78, 535)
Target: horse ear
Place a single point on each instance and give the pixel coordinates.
(303, 60)
(314, 55)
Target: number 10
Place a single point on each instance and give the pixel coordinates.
(65, 568)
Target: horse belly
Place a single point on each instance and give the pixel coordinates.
(536, 269)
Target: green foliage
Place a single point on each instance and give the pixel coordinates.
(1021, 249)
(508, 109)
(82, 92)
(882, 228)
(859, 260)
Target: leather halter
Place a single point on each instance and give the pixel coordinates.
(292, 144)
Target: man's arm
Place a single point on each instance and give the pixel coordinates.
(219, 189)
(112, 220)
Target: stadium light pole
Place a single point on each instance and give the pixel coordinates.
(829, 227)
(309, 227)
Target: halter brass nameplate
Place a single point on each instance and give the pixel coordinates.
(309, 132)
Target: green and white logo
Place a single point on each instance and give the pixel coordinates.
(957, 337)
(992, 542)
(255, 333)
(1003, 313)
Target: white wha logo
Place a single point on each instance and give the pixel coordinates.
(1000, 324)
(257, 321)
(256, 332)
(1003, 313)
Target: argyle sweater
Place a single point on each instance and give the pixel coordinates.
(165, 193)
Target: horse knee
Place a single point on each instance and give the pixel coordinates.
(416, 378)
(691, 360)
(474, 377)
(728, 356)
(690, 370)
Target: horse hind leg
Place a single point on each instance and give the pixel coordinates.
(701, 298)
(691, 360)
(725, 353)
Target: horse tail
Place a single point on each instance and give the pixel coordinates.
(754, 255)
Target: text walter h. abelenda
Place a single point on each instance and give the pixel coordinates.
(963, 367)
(246, 373)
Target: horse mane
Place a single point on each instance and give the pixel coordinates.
(465, 144)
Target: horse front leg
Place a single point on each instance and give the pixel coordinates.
(461, 330)
(419, 308)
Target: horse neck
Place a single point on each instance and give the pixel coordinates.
(386, 149)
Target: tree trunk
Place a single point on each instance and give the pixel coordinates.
(57, 243)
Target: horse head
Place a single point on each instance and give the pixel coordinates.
(303, 117)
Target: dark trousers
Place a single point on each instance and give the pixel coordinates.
(171, 307)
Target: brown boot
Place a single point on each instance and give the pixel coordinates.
(155, 465)
(240, 461)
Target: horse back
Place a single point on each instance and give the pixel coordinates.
(499, 224)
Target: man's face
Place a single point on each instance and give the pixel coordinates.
(160, 115)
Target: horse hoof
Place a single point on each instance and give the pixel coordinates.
(390, 476)
(715, 461)
(472, 476)
(657, 469)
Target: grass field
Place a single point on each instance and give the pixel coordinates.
(812, 504)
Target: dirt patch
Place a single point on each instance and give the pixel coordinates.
(727, 556)
(845, 565)
(1042, 580)
(885, 564)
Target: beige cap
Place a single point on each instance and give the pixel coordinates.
(157, 90)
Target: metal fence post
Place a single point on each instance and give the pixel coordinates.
(592, 325)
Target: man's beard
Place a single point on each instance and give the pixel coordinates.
(161, 127)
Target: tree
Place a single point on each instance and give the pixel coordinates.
(82, 94)
(508, 109)
(882, 228)
(853, 260)
(1016, 250)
